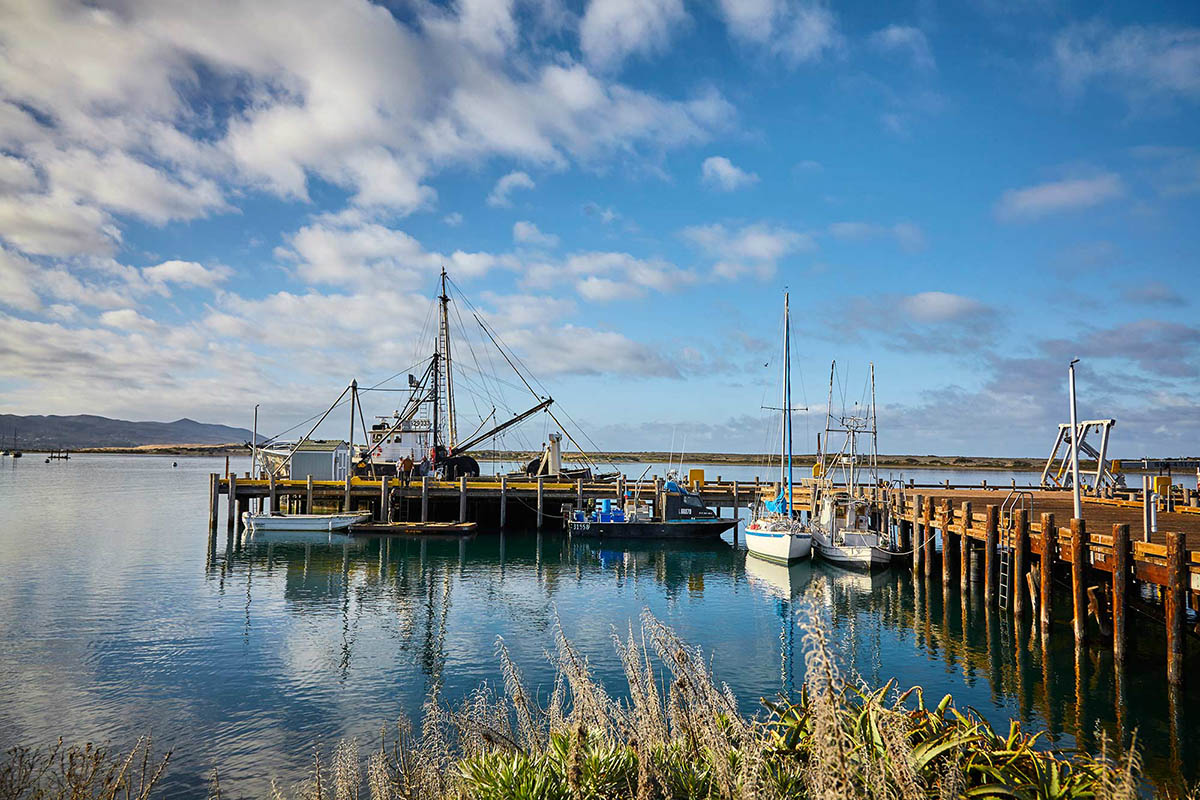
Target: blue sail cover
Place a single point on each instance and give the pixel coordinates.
(778, 505)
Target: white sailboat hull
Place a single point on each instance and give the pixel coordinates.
(302, 522)
(852, 549)
(780, 546)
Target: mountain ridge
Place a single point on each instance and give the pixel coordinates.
(77, 431)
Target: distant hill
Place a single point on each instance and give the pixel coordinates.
(88, 430)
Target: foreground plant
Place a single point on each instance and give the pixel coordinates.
(81, 772)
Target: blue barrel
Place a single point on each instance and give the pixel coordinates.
(607, 506)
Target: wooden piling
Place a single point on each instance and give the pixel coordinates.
(1173, 605)
(540, 492)
(424, 498)
(579, 493)
(272, 498)
(964, 549)
(989, 554)
(232, 504)
(462, 499)
(385, 506)
(503, 499)
(930, 549)
(1079, 578)
(736, 504)
(214, 500)
(1020, 561)
(347, 499)
(1046, 570)
(948, 544)
(1120, 582)
(917, 537)
(308, 496)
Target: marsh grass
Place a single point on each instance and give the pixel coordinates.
(677, 733)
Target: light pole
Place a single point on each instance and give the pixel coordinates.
(1074, 441)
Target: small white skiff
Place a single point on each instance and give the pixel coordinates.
(302, 522)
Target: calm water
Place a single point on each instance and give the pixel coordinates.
(116, 623)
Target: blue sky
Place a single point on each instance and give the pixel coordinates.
(207, 208)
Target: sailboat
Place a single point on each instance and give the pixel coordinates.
(776, 533)
(842, 528)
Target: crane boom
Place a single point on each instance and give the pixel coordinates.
(474, 440)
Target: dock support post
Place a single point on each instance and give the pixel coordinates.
(1046, 571)
(385, 508)
(930, 549)
(1120, 582)
(989, 554)
(964, 550)
(347, 498)
(660, 506)
(1174, 606)
(579, 493)
(736, 505)
(917, 509)
(1079, 578)
(462, 499)
(540, 509)
(232, 501)
(273, 500)
(503, 500)
(214, 500)
(308, 496)
(621, 490)
(947, 545)
(424, 498)
(1020, 562)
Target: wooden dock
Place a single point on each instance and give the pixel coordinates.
(1024, 544)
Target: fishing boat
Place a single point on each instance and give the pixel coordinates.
(302, 522)
(843, 530)
(776, 533)
(684, 515)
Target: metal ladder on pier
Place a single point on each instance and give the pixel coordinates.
(1016, 498)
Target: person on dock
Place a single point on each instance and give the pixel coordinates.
(406, 468)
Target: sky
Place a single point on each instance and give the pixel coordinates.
(208, 206)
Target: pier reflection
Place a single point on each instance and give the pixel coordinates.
(441, 603)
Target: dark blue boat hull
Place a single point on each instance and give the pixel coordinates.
(673, 529)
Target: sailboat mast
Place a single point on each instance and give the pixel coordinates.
(828, 416)
(353, 401)
(451, 425)
(783, 433)
(434, 397)
(787, 393)
(874, 431)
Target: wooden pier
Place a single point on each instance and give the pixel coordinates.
(1035, 562)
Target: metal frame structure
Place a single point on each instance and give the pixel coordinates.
(1060, 478)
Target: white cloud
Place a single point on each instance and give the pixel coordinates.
(507, 184)
(935, 307)
(796, 31)
(1058, 196)
(127, 319)
(453, 219)
(527, 233)
(610, 275)
(752, 249)
(603, 290)
(720, 173)
(166, 111)
(187, 273)
(907, 41)
(16, 284)
(613, 30)
(1142, 61)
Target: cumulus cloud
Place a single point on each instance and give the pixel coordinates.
(940, 307)
(525, 232)
(796, 31)
(1143, 61)
(1044, 199)
(613, 30)
(907, 41)
(1153, 293)
(507, 184)
(187, 273)
(753, 249)
(720, 173)
(165, 111)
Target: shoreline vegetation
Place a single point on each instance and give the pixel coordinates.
(675, 733)
(802, 461)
